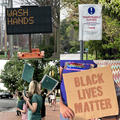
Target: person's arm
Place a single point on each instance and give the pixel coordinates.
(22, 111)
(61, 69)
(49, 92)
(65, 110)
(33, 106)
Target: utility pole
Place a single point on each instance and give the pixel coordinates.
(2, 28)
(4, 4)
(10, 5)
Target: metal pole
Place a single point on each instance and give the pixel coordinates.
(30, 49)
(2, 28)
(10, 5)
(81, 50)
(5, 4)
(81, 43)
(5, 41)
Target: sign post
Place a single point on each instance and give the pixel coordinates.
(30, 48)
(81, 49)
(90, 24)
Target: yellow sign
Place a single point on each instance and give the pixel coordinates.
(19, 16)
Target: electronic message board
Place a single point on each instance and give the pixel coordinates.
(29, 19)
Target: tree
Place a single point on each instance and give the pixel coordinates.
(111, 8)
(11, 75)
(68, 37)
(52, 69)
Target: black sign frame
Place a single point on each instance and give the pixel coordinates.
(29, 19)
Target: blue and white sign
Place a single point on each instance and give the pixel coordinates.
(91, 10)
(90, 22)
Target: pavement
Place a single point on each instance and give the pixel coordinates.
(50, 114)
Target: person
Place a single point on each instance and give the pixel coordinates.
(49, 99)
(34, 102)
(67, 66)
(24, 111)
(18, 113)
(43, 111)
(19, 103)
(53, 98)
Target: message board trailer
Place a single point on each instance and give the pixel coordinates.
(29, 19)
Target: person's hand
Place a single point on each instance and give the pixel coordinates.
(66, 111)
(25, 98)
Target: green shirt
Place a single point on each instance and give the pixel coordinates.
(20, 104)
(37, 99)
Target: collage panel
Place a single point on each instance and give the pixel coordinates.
(29, 46)
(90, 89)
(26, 85)
(59, 60)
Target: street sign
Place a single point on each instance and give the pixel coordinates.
(29, 19)
(90, 22)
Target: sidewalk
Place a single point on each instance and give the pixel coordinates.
(50, 115)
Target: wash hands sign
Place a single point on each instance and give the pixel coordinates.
(90, 22)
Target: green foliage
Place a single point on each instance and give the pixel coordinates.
(38, 66)
(68, 37)
(53, 71)
(11, 75)
(111, 8)
(47, 49)
(94, 47)
(108, 48)
(75, 46)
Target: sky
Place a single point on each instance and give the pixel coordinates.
(63, 12)
(15, 4)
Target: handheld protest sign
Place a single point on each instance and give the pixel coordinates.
(48, 83)
(91, 93)
(27, 74)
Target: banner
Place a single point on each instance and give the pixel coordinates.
(90, 22)
(91, 93)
